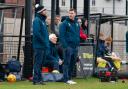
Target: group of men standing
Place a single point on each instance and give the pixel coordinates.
(69, 38)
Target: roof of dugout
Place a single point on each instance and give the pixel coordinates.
(106, 17)
(109, 17)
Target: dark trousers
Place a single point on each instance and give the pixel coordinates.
(110, 61)
(39, 57)
(70, 56)
(52, 62)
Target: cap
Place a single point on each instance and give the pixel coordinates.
(39, 8)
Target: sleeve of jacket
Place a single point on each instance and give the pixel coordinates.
(54, 57)
(82, 34)
(40, 33)
(62, 32)
(51, 57)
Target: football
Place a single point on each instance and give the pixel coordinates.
(11, 78)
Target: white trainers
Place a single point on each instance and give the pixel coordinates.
(71, 82)
(55, 71)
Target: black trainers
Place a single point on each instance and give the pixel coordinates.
(39, 83)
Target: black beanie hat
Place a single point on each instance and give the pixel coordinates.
(39, 8)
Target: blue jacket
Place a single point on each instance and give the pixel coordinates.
(101, 51)
(40, 33)
(53, 54)
(69, 33)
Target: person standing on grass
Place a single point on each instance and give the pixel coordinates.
(40, 43)
(69, 37)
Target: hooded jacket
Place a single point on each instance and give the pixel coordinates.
(69, 33)
(40, 32)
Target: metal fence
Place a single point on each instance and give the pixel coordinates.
(10, 49)
(10, 22)
(119, 36)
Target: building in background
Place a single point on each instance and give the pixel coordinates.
(11, 13)
(117, 7)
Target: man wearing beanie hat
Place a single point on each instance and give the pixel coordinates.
(40, 43)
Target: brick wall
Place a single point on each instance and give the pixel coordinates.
(10, 13)
(21, 2)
